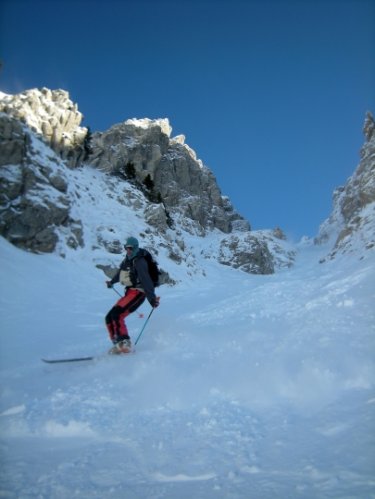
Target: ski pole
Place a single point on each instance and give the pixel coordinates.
(144, 325)
(115, 290)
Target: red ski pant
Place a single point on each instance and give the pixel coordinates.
(115, 319)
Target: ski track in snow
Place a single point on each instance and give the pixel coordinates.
(241, 386)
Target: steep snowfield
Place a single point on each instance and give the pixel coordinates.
(242, 386)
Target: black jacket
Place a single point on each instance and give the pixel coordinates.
(141, 279)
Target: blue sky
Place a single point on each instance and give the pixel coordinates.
(271, 95)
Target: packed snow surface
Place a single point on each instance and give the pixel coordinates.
(242, 386)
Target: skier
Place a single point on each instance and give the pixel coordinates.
(134, 275)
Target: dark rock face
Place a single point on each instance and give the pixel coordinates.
(33, 192)
(351, 225)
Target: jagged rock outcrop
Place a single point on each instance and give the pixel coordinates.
(351, 225)
(33, 192)
(248, 254)
(52, 115)
(169, 171)
(258, 252)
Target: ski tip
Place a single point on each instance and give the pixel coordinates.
(58, 361)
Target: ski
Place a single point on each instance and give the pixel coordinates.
(74, 359)
(83, 359)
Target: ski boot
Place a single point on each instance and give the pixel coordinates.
(122, 346)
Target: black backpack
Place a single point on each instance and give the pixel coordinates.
(153, 268)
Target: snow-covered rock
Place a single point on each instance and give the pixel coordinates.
(33, 195)
(257, 252)
(351, 225)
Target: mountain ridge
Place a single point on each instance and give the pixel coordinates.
(48, 162)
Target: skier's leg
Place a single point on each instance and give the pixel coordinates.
(109, 322)
(115, 319)
(127, 305)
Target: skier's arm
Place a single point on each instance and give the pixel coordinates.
(144, 278)
(116, 277)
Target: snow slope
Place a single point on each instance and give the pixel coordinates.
(242, 386)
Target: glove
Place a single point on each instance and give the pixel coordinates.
(109, 284)
(155, 302)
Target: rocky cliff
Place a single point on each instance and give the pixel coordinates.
(351, 225)
(169, 172)
(47, 162)
(34, 198)
(51, 115)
